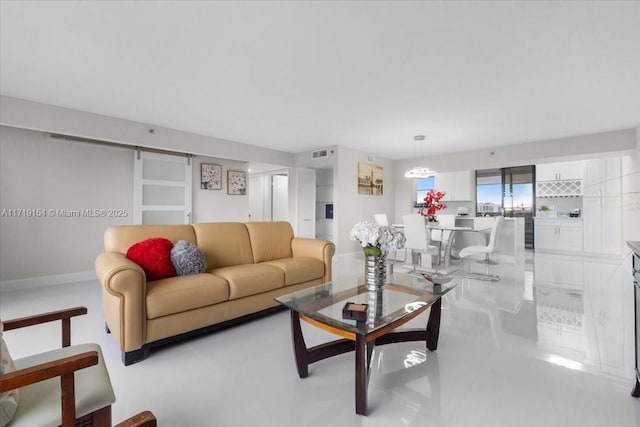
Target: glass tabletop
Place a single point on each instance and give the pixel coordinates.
(402, 296)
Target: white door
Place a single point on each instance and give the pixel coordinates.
(256, 197)
(306, 203)
(161, 188)
(279, 197)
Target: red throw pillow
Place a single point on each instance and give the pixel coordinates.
(154, 256)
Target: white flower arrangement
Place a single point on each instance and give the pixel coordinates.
(377, 240)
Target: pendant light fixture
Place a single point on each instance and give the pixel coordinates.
(419, 171)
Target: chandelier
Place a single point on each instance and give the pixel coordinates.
(419, 171)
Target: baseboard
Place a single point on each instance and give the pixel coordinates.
(348, 256)
(45, 281)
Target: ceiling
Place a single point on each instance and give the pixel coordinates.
(296, 76)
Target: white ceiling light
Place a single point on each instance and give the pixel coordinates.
(419, 171)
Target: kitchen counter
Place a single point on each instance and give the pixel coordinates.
(634, 245)
(567, 218)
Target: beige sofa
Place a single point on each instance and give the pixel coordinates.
(248, 265)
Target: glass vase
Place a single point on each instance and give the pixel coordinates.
(375, 272)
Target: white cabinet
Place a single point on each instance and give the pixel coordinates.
(561, 321)
(602, 217)
(456, 185)
(603, 286)
(602, 177)
(560, 171)
(558, 235)
(552, 270)
(602, 206)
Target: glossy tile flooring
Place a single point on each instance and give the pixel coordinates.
(550, 344)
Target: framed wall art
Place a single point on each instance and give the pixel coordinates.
(210, 176)
(370, 179)
(236, 182)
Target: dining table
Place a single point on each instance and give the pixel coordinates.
(445, 264)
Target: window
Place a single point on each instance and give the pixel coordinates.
(422, 186)
(489, 192)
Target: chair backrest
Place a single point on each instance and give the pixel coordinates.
(444, 220)
(381, 219)
(495, 233)
(415, 232)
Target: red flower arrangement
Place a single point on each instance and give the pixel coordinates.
(432, 204)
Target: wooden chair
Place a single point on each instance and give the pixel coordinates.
(81, 371)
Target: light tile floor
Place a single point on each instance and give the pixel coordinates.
(551, 344)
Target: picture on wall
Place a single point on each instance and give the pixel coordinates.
(369, 179)
(236, 182)
(210, 176)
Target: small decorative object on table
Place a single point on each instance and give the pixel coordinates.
(377, 241)
(355, 311)
(432, 205)
(437, 279)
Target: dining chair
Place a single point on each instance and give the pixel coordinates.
(441, 237)
(381, 219)
(469, 251)
(418, 240)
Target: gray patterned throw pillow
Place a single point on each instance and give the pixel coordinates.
(188, 259)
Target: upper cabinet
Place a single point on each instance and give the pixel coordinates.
(456, 185)
(562, 171)
(602, 177)
(562, 179)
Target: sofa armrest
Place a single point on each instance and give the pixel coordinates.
(124, 289)
(315, 248)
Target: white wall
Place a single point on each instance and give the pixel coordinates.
(39, 172)
(217, 205)
(351, 207)
(48, 118)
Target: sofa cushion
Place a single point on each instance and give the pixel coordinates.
(251, 279)
(188, 259)
(270, 240)
(183, 293)
(224, 243)
(299, 270)
(154, 256)
(120, 237)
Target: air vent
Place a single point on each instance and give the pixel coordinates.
(320, 154)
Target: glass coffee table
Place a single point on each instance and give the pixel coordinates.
(403, 298)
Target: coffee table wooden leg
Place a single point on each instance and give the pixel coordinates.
(299, 346)
(362, 374)
(433, 325)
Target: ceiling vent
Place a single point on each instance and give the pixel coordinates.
(319, 154)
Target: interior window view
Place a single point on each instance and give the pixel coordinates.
(312, 214)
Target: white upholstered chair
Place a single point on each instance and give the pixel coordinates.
(469, 251)
(418, 240)
(66, 387)
(441, 237)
